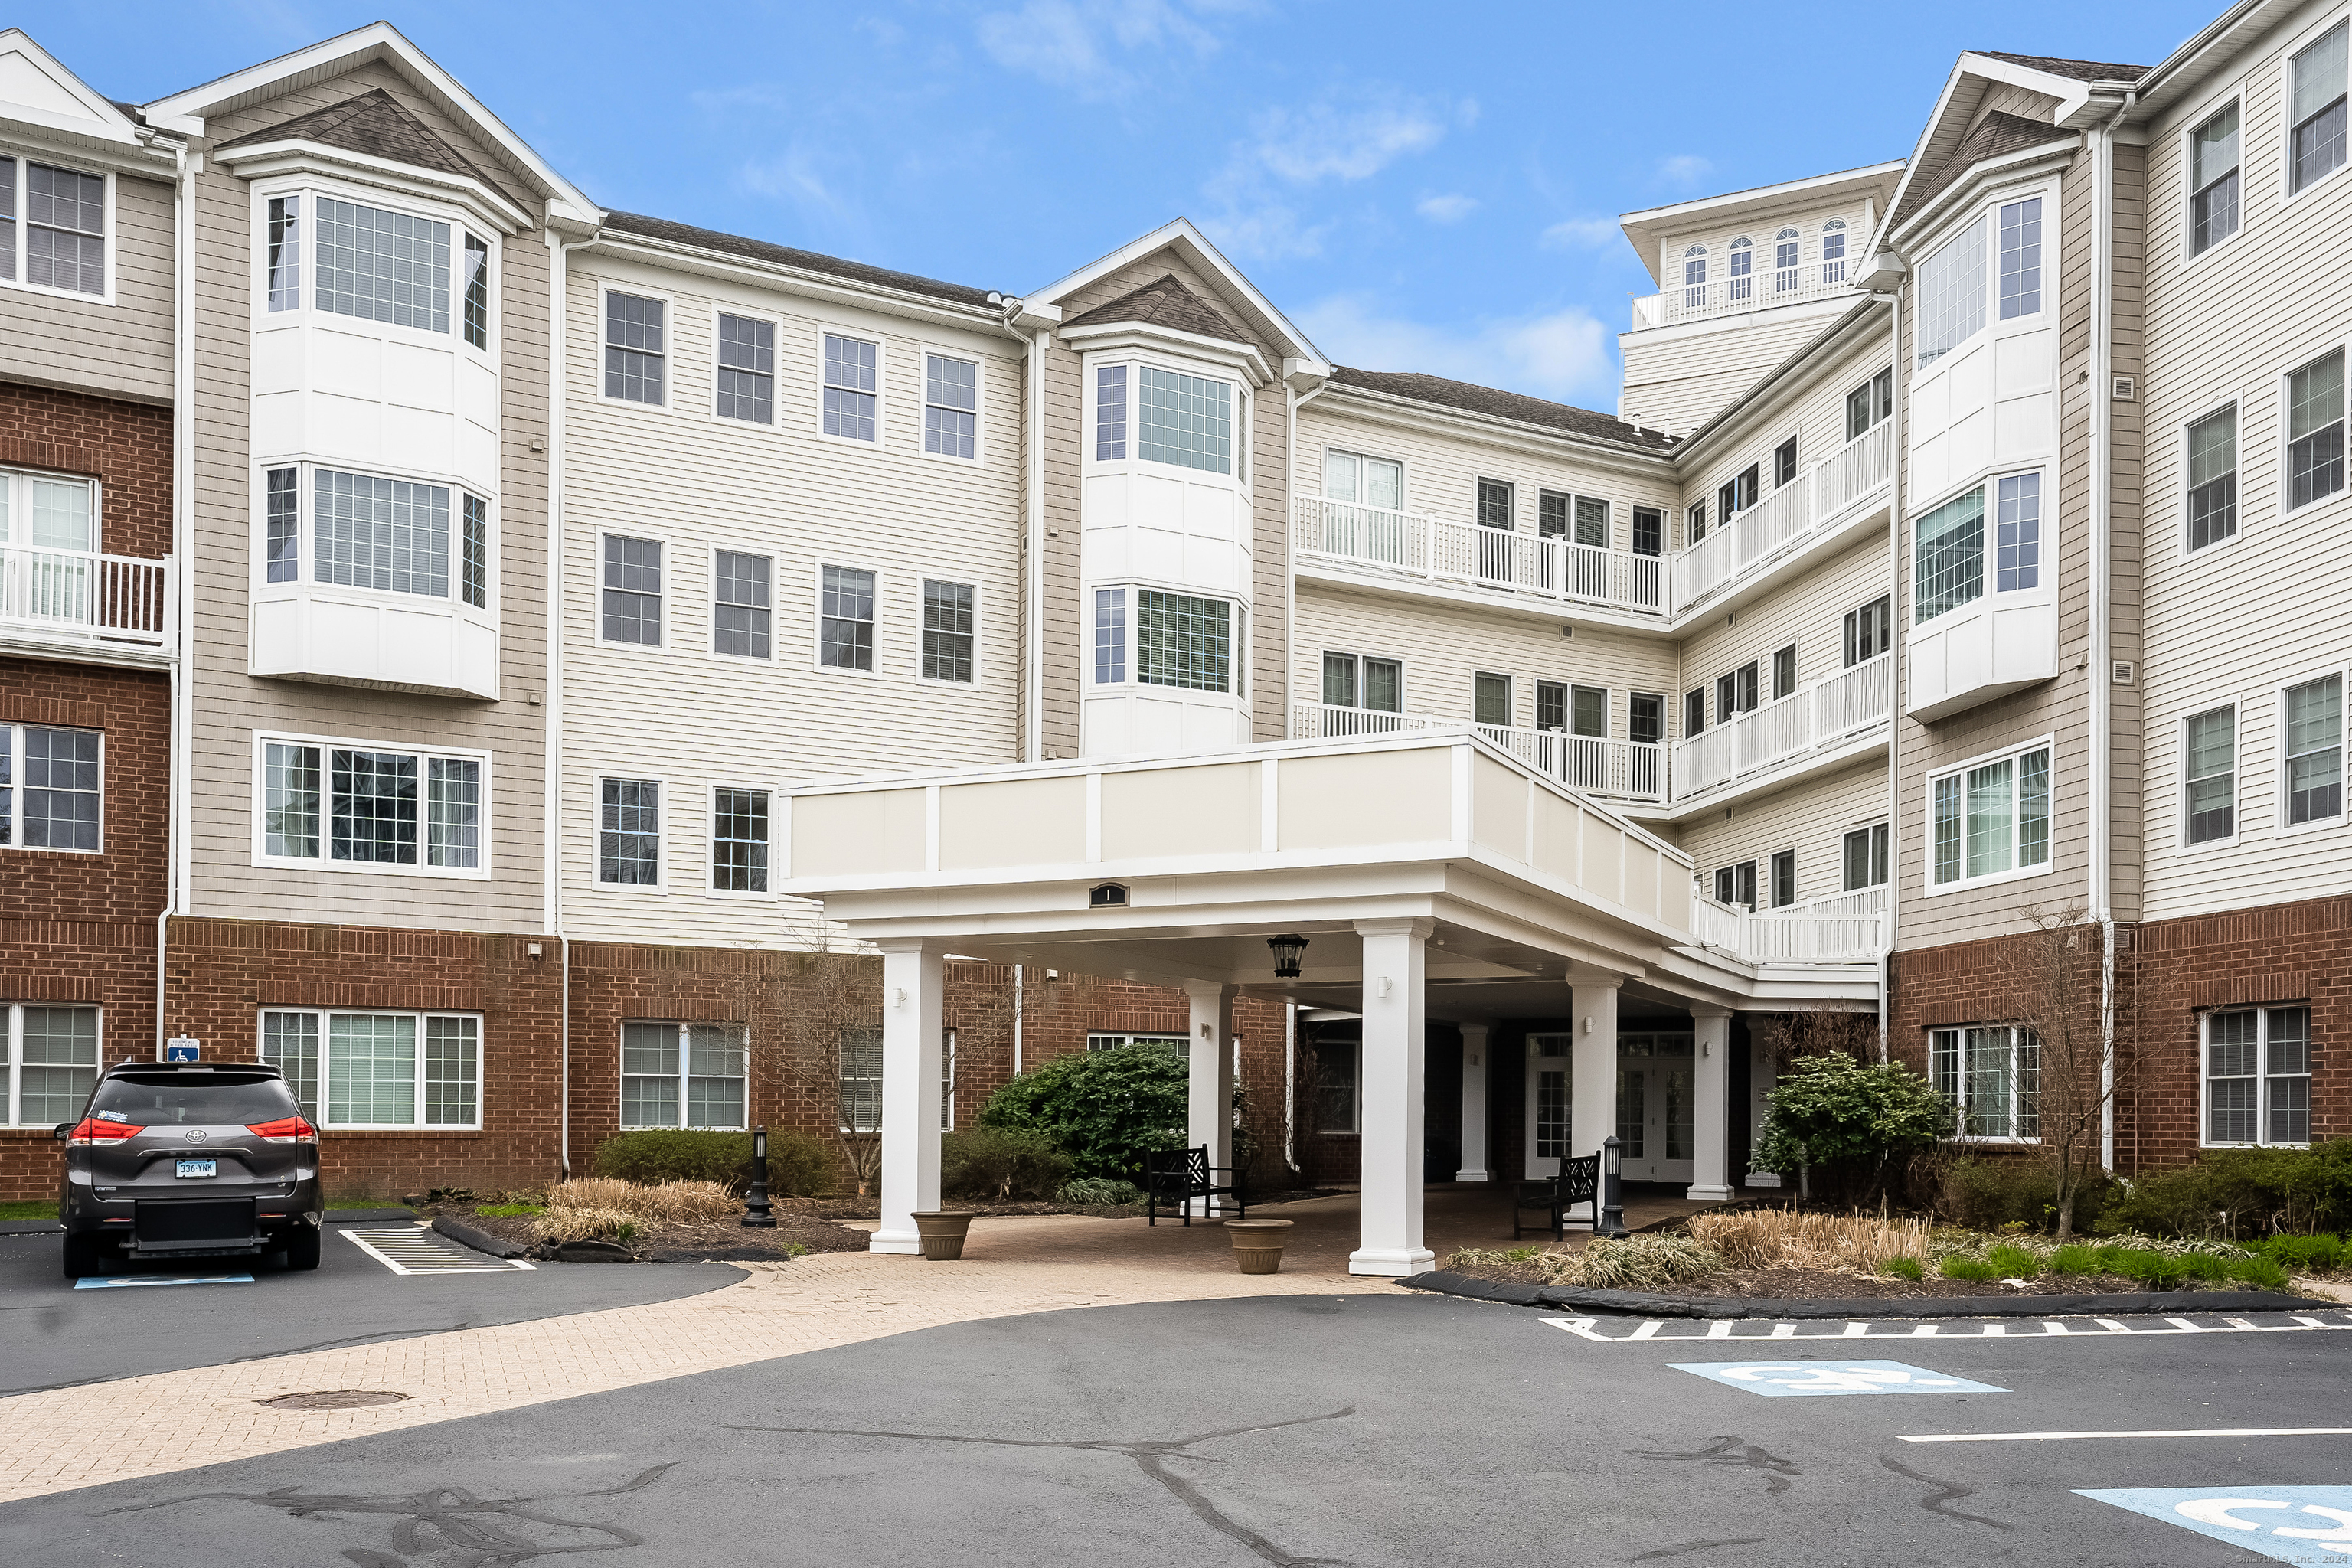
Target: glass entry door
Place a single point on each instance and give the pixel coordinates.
(1548, 1101)
(1656, 1118)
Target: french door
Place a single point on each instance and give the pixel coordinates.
(1656, 1114)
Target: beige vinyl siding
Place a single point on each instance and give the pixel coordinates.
(2010, 99)
(1811, 818)
(1686, 374)
(230, 705)
(694, 718)
(1809, 611)
(1813, 411)
(1807, 220)
(117, 349)
(2237, 621)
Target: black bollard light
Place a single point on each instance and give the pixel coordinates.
(1613, 1194)
(758, 1213)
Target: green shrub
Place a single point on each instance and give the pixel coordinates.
(2263, 1273)
(1902, 1267)
(2011, 1262)
(2199, 1266)
(798, 1164)
(1094, 1192)
(1105, 1109)
(1832, 1109)
(2074, 1259)
(1000, 1162)
(2150, 1268)
(2303, 1254)
(1968, 1269)
(2243, 1192)
(1998, 1194)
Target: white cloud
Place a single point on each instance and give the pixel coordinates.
(1579, 233)
(1684, 169)
(1343, 137)
(1563, 356)
(1073, 43)
(1446, 209)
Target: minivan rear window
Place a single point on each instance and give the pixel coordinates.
(215, 1102)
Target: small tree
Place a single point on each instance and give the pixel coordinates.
(2079, 1061)
(830, 1047)
(1832, 1108)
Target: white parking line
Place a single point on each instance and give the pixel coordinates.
(1657, 1328)
(2182, 1432)
(415, 1249)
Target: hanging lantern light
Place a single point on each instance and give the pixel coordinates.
(1287, 950)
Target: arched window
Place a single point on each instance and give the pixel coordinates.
(1784, 248)
(1694, 277)
(1834, 252)
(1743, 261)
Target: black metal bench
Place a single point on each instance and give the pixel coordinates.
(1578, 1181)
(1178, 1177)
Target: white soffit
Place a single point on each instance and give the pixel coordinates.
(1643, 230)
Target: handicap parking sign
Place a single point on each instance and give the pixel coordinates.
(2309, 1525)
(1785, 1377)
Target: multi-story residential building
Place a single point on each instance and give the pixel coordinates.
(615, 650)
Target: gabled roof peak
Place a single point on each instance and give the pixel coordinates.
(1165, 302)
(372, 122)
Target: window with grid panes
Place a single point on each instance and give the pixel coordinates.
(1950, 550)
(631, 611)
(283, 259)
(2209, 774)
(846, 619)
(1864, 854)
(2315, 142)
(2213, 478)
(1649, 531)
(64, 226)
(1551, 705)
(1736, 884)
(2213, 181)
(1186, 420)
(628, 832)
(1951, 294)
(1110, 637)
(747, 370)
(50, 787)
(2021, 258)
(852, 388)
(357, 1070)
(950, 406)
(369, 531)
(860, 1080)
(1992, 1077)
(1493, 504)
(2017, 534)
(1645, 718)
(370, 806)
(637, 351)
(2258, 1076)
(383, 265)
(1784, 672)
(282, 545)
(478, 292)
(1184, 640)
(1490, 696)
(1991, 819)
(742, 608)
(1834, 252)
(2315, 453)
(56, 1063)
(474, 574)
(739, 841)
(947, 631)
(683, 1075)
(1551, 514)
(1694, 521)
(2314, 749)
(1784, 463)
(1110, 413)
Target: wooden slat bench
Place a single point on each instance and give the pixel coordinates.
(1178, 1177)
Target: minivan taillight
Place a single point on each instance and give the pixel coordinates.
(91, 1130)
(286, 1130)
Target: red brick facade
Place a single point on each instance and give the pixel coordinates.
(126, 447)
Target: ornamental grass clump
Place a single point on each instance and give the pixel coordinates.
(686, 1201)
(1968, 1269)
(1786, 1239)
(2010, 1261)
(1903, 1268)
(1638, 1263)
(560, 1226)
(2074, 1259)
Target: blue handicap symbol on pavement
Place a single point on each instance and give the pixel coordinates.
(2308, 1525)
(1785, 1377)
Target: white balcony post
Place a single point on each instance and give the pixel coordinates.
(1474, 1103)
(1711, 1104)
(914, 1018)
(1209, 1056)
(1592, 1068)
(1395, 1060)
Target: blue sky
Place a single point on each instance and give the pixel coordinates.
(1417, 198)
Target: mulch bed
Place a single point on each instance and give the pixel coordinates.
(1819, 1283)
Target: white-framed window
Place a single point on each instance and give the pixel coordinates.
(366, 1069)
(2021, 258)
(629, 832)
(1736, 884)
(1868, 404)
(1491, 700)
(381, 265)
(1363, 681)
(1785, 248)
(366, 806)
(52, 788)
(950, 626)
(1106, 1040)
(2311, 722)
(1339, 1086)
(2211, 445)
(744, 381)
(630, 608)
(1863, 855)
(53, 1059)
(950, 406)
(1493, 504)
(1110, 637)
(1735, 693)
(1950, 560)
(474, 278)
(637, 348)
(56, 228)
(2209, 776)
(742, 605)
(2017, 533)
(2213, 155)
(1992, 1075)
(845, 596)
(860, 1080)
(1739, 273)
(2257, 1077)
(1694, 277)
(1183, 420)
(683, 1075)
(2315, 431)
(1834, 252)
(1184, 640)
(375, 532)
(1951, 292)
(1869, 630)
(1784, 672)
(739, 841)
(853, 389)
(1783, 878)
(1110, 413)
(1364, 480)
(41, 513)
(2315, 126)
(1990, 819)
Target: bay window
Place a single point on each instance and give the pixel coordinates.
(1952, 295)
(1110, 637)
(1184, 420)
(359, 804)
(2021, 258)
(378, 533)
(1183, 639)
(1992, 1077)
(683, 1075)
(364, 1069)
(1991, 818)
(1951, 558)
(2258, 1077)
(383, 265)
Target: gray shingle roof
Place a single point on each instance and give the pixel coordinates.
(2076, 70)
(1500, 404)
(1164, 303)
(785, 255)
(375, 124)
(1998, 132)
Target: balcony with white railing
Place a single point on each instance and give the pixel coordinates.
(1725, 295)
(1373, 544)
(78, 599)
(1594, 765)
(1790, 935)
(1765, 747)
(1816, 505)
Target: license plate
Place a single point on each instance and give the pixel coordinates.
(199, 1168)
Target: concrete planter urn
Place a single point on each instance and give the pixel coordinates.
(943, 1231)
(1257, 1244)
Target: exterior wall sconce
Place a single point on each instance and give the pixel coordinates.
(1287, 952)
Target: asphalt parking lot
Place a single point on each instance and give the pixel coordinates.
(53, 1335)
(1377, 1429)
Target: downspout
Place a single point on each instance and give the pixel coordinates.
(1034, 745)
(2103, 154)
(180, 697)
(551, 846)
(1896, 534)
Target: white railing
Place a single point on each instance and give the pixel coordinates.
(1870, 901)
(1324, 722)
(1832, 709)
(1722, 294)
(1498, 558)
(1817, 499)
(83, 596)
(1619, 770)
(1787, 936)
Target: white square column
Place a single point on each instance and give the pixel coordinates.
(1711, 1104)
(1208, 1056)
(1592, 1070)
(914, 1019)
(1390, 1074)
(1474, 1103)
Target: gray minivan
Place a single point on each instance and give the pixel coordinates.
(176, 1160)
